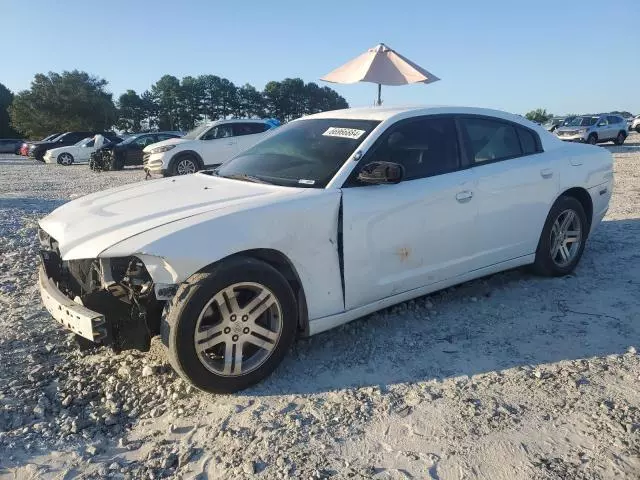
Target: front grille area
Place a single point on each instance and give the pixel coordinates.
(145, 158)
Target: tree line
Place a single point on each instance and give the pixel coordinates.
(79, 101)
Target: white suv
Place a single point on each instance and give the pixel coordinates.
(205, 146)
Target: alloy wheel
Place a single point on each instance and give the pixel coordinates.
(65, 159)
(566, 237)
(186, 166)
(238, 329)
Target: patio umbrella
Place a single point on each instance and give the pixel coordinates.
(383, 66)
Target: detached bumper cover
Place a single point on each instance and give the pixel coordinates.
(73, 316)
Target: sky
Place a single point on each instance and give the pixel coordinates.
(514, 55)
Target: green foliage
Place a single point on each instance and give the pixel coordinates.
(6, 97)
(539, 115)
(173, 104)
(60, 102)
(77, 101)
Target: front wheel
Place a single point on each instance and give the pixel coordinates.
(229, 327)
(65, 159)
(185, 165)
(593, 139)
(563, 238)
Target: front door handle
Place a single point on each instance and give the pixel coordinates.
(464, 196)
(231, 143)
(546, 173)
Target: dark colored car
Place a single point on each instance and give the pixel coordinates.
(10, 145)
(127, 152)
(38, 149)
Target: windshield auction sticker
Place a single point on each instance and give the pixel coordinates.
(352, 133)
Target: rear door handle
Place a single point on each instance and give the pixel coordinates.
(546, 173)
(464, 196)
(231, 143)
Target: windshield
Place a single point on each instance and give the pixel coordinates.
(82, 142)
(195, 133)
(305, 153)
(582, 122)
(55, 139)
(50, 137)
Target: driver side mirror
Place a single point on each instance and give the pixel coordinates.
(602, 124)
(380, 173)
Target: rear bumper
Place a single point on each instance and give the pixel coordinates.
(71, 315)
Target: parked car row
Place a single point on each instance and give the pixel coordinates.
(161, 153)
(205, 146)
(117, 155)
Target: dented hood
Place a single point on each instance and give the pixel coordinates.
(87, 226)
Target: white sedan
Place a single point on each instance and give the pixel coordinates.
(330, 218)
(77, 153)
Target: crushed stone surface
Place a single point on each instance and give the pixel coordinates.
(507, 377)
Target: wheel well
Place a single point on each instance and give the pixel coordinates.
(280, 262)
(584, 198)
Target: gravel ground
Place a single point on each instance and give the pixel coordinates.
(507, 377)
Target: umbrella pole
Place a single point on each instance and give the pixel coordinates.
(379, 94)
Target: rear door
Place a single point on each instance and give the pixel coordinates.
(247, 134)
(615, 125)
(218, 145)
(516, 184)
(133, 152)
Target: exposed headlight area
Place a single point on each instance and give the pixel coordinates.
(120, 290)
(162, 149)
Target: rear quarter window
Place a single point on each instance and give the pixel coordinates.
(528, 141)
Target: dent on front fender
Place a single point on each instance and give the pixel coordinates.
(303, 228)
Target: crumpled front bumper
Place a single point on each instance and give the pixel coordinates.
(73, 316)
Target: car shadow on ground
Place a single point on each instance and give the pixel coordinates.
(507, 320)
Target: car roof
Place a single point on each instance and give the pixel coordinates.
(240, 120)
(396, 113)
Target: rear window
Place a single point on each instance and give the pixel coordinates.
(527, 141)
(491, 140)
(240, 129)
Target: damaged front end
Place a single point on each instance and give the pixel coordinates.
(120, 290)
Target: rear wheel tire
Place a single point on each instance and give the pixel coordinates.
(229, 327)
(593, 139)
(563, 238)
(620, 138)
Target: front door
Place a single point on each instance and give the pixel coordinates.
(218, 144)
(420, 231)
(133, 151)
(516, 186)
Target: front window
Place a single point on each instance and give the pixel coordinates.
(305, 153)
(583, 122)
(85, 142)
(196, 132)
